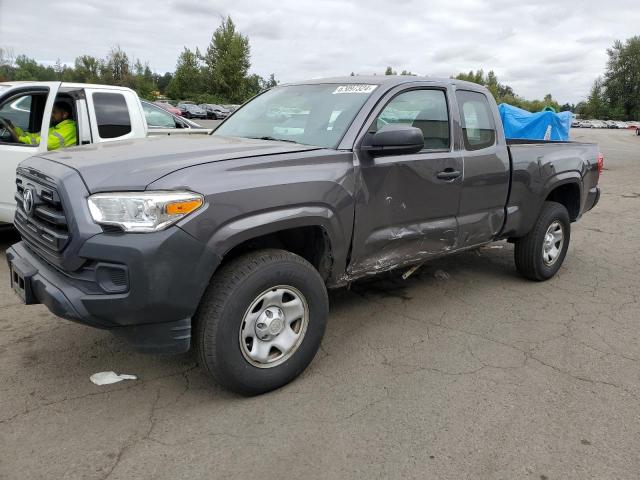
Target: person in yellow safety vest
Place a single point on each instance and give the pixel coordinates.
(63, 132)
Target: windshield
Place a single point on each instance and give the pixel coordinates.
(308, 114)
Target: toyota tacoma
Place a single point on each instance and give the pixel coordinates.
(228, 243)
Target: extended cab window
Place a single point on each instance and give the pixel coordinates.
(24, 114)
(112, 115)
(423, 109)
(478, 127)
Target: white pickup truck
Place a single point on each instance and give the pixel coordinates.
(102, 113)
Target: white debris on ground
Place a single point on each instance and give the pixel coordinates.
(107, 378)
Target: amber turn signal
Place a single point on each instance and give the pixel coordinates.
(183, 207)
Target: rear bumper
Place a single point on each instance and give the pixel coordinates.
(593, 197)
(167, 273)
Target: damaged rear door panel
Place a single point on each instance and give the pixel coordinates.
(486, 170)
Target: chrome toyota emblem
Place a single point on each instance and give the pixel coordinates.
(27, 201)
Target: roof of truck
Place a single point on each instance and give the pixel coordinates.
(64, 85)
(388, 80)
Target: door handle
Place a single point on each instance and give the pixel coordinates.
(448, 174)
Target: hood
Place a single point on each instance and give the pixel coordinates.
(134, 164)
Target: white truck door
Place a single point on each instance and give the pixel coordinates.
(115, 114)
(27, 106)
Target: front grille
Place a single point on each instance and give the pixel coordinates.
(42, 222)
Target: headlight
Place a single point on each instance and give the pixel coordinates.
(143, 211)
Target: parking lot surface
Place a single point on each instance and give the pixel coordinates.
(465, 370)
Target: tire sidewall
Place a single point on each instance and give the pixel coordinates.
(232, 367)
(555, 212)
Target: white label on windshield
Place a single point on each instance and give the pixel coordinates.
(355, 88)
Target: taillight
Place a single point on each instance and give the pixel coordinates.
(600, 163)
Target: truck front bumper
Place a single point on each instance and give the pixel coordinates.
(143, 287)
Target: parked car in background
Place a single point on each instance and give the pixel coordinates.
(575, 123)
(190, 110)
(232, 107)
(215, 112)
(160, 120)
(586, 124)
(611, 124)
(598, 124)
(169, 108)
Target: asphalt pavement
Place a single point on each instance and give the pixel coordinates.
(465, 370)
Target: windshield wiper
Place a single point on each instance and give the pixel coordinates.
(275, 139)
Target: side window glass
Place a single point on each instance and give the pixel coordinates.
(23, 115)
(423, 109)
(478, 127)
(157, 117)
(112, 115)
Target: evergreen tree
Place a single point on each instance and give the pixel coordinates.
(227, 63)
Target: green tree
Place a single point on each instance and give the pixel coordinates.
(622, 79)
(87, 69)
(227, 63)
(143, 81)
(162, 81)
(28, 69)
(390, 71)
(7, 69)
(187, 79)
(597, 104)
(116, 69)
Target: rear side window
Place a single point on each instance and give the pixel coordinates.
(423, 109)
(478, 127)
(112, 115)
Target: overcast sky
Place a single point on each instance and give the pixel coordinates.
(547, 46)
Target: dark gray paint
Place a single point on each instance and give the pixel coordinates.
(379, 213)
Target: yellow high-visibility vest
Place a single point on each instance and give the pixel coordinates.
(62, 135)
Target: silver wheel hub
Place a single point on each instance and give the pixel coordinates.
(274, 326)
(553, 243)
(270, 323)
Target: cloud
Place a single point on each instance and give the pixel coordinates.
(537, 48)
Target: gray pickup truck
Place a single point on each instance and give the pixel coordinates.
(227, 243)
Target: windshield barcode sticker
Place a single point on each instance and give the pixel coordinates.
(355, 88)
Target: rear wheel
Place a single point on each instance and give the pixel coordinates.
(540, 253)
(261, 321)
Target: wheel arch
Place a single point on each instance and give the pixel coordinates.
(313, 232)
(566, 190)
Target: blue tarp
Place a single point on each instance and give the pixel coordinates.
(521, 124)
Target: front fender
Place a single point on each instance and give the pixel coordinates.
(239, 230)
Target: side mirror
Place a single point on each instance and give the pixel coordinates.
(394, 139)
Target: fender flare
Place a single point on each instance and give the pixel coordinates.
(258, 224)
(563, 178)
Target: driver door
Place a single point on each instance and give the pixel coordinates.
(407, 204)
(28, 107)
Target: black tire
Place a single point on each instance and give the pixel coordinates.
(220, 316)
(529, 249)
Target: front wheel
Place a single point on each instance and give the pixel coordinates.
(261, 321)
(540, 253)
